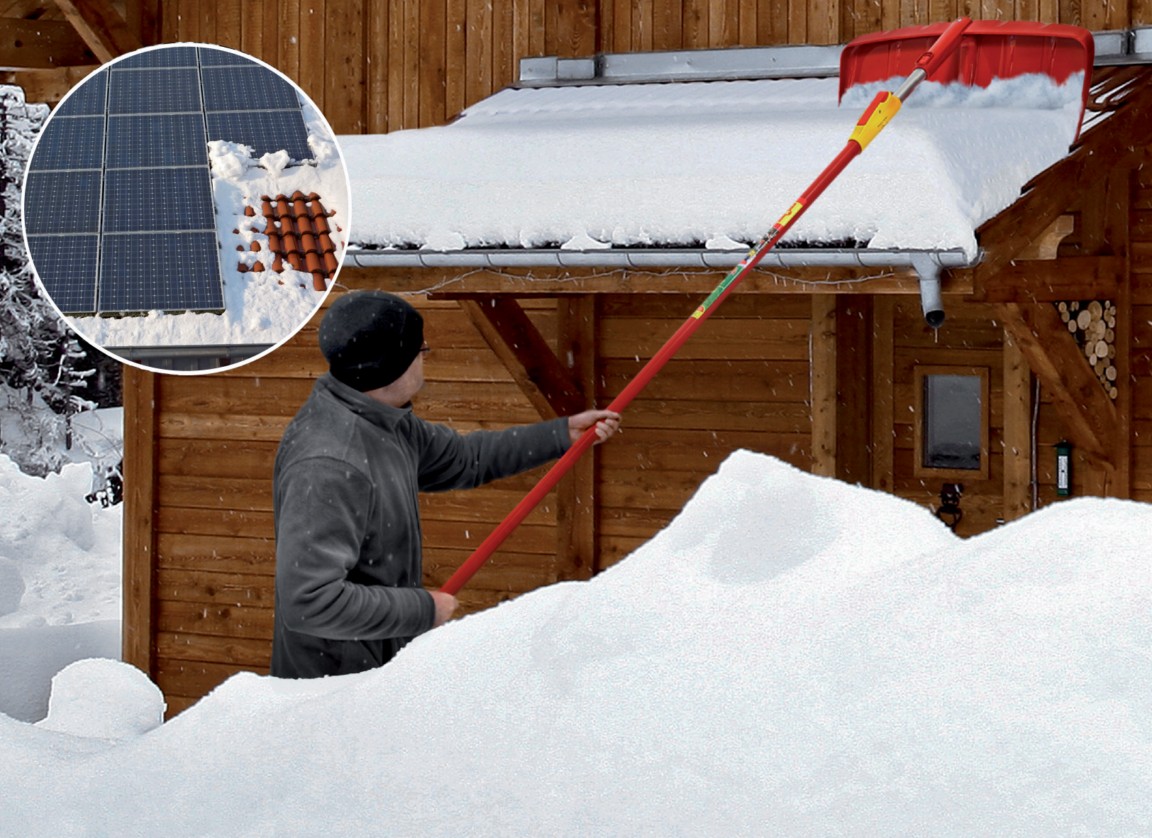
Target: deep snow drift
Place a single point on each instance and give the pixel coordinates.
(60, 569)
(791, 655)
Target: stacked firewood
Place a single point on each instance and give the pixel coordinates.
(1093, 324)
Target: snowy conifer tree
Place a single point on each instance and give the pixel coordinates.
(40, 359)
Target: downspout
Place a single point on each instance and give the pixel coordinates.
(928, 264)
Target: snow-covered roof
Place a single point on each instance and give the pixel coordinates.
(706, 164)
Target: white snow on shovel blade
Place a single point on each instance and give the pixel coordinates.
(682, 164)
(791, 655)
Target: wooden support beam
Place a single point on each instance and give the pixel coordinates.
(1108, 146)
(577, 518)
(41, 44)
(140, 396)
(822, 381)
(101, 27)
(883, 393)
(1069, 278)
(461, 282)
(854, 389)
(525, 353)
(47, 86)
(1017, 436)
(1088, 414)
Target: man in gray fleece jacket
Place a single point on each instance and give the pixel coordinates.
(348, 546)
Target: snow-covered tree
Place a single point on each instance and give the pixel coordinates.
(41, 361)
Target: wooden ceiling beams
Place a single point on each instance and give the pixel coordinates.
(50, 47)
(103, 29)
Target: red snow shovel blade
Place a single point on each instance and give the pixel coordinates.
(988, 50)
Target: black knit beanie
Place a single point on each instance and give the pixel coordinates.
(370, 338)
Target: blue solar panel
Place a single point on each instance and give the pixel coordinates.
(263, 131)
(62, 202)
(158, 199)
(169, 56)
(87, 99)
(172, 273)
(75, 142)
(159, 90)
(246, 89)
(119, 207)
(66, 266)
(156, 140)
(213, 57)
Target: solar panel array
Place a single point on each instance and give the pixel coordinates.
(118, 205)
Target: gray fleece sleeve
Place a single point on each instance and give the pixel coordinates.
(320, 525)
(449, 460)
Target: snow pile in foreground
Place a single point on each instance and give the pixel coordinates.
(596, 165)
(791, 655)
(60, 569)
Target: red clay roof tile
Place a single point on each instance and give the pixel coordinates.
(299, 234)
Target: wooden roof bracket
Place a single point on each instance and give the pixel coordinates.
(516, 341)
(1089, 416)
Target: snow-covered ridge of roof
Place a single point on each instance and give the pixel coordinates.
(684, 164)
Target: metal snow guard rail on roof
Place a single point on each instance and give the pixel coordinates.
(1121, 46)
(734, 63)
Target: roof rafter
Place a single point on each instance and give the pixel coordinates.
(516, 341)
(101, 27)
(1088, 414)
(41, 44)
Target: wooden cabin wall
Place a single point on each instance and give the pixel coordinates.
(374, 67)
(969, 337)
(741, 382)
(198, 450)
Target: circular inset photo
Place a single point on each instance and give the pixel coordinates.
(186, 208)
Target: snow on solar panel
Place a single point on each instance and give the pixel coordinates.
(152, 140)
(67, 266)
(140, 273)
(263, 131)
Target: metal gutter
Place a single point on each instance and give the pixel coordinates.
(927, 263)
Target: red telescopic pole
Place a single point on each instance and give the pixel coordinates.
(883, 107)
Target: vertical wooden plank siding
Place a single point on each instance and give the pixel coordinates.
(313, 73)
(288, 44)
(376, 72)
(432, 63)
(342, 65)
(883, 419)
